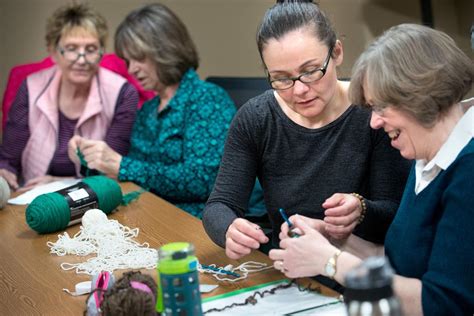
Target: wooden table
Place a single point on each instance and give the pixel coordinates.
(31, 279)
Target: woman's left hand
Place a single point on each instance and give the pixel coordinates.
(302, 256)
(37, 181)
(101, 157)
(341, 215)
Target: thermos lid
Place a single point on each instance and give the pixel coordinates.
(176, 251)
(370, 281)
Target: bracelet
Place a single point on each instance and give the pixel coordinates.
(362, 205)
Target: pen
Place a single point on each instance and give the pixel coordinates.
(285, 217)
(291, 233)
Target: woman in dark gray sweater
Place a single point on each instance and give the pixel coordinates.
(312, 150)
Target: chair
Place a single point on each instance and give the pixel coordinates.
(241, 89)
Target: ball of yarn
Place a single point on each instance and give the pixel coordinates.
(50, 212)
(4, 192)
(93, 216)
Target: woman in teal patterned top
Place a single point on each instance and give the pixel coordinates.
(178, 136)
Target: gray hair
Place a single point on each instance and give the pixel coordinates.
(154, 31)
(291, 15)
(415, 69)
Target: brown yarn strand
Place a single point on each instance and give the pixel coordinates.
(252, 299)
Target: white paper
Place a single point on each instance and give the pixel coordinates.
(290, 301)
(29, 196)
(207, 288)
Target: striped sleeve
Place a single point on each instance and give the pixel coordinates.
(16, 133)
(118, 135)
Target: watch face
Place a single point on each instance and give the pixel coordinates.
(330, 270)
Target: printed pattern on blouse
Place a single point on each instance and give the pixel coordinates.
(176, 153)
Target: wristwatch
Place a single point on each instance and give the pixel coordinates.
(330, 268)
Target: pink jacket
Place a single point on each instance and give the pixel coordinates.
(20, 72)
(43, 87)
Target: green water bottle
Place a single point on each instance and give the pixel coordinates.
(178, 281)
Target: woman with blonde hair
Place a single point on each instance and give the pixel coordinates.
(74, 97)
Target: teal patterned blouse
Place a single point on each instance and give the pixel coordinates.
(176, 153)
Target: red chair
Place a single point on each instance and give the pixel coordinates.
(19, 73)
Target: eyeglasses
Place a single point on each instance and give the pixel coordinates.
(307, 77)
(73, 55)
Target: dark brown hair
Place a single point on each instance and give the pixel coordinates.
(291, 15)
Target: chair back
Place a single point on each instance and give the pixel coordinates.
(241, 89)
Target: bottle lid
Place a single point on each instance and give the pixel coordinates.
(370, 281)
(176, 258)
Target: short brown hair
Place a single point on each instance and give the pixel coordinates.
(155, 32)
(68, 17)
(415, 69)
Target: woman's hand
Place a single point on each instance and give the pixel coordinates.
(305, 255)
(342, 213)
(37, 181)
(72, 146)
(317, 224)
(10, 177)
(101, 157)
(242, 237)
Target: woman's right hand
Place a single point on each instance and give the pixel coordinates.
(72, 146)
(10, 177)
(242, 237)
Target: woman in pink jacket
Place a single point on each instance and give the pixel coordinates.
(74, 98)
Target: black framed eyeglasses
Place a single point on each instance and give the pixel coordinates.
(73, 55)
(307, 77)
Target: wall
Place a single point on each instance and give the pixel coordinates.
(224, 30)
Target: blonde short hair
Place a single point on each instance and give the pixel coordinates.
(415, 69)
(72, 17)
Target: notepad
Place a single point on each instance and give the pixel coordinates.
(29, 196)
(289, 301)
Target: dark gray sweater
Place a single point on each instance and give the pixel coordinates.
(299, 168)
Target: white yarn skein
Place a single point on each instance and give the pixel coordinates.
(4, 192)
(111, 241)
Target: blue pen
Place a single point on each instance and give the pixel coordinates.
(283, 214)
(291, 233)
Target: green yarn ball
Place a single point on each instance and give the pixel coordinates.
(50, 212)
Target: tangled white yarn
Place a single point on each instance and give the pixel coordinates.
(111, 241)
